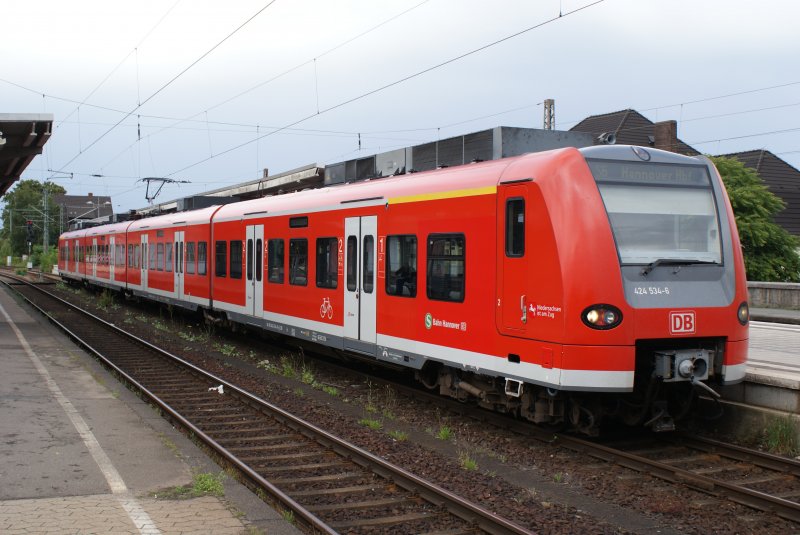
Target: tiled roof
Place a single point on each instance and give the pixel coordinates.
(781, 178)
(630, 127)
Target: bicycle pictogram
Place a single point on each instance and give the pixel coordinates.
(326, 308)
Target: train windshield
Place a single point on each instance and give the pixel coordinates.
(660, 212)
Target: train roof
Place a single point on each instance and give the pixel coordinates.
(381, 191)
(192, 217)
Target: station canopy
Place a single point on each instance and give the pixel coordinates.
(22, 136)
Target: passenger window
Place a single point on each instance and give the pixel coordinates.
(160, 264)
(249, 260)
(401, 266)
(369, 264)
(327, 262)
(168, 264)
(236, 259)
(221, 258)
(259, 258)
(298, 262)
(190, 258)
(515, 227)
(275, 261)
(202, 257)
(446, 263)
(352, 263)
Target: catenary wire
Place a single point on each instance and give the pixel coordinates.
(391, 84)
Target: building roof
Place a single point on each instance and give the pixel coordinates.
(630, 128)
(84, 206)
(22, 136)
(781, 178)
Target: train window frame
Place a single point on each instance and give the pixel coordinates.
(515, 229)
(276, 260)
(327, 263)
(202, 258)
(221, 259)
(235, 257)
(399, 280)
(190, 258)
(298, 261)
(433, 260)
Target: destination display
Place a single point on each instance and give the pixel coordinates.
(647, 173)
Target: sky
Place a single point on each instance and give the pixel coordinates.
(211, 92)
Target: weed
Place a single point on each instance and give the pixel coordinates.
(266, 365)
(203, 484)
(371, 395)
(288, 367)
(208, 484)
(558, 477)
(331, 390)
(160, 325)
(106, 299)
(307, 375)
(399, 436)
(288, 516)
(226, 349)
(373, 424)
(299, 392)
(115, 394)
(780, 436)
(444, 433)
(467, 462)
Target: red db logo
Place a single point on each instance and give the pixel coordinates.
(681, 322)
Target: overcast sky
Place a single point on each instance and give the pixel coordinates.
(206, 88)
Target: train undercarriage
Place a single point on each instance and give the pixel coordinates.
(667, 384)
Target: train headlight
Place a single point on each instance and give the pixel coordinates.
(601, 317)
(743, 313)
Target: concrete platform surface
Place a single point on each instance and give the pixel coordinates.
(79, 453)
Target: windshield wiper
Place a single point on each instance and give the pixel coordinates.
(673, 262)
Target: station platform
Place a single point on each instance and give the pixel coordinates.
(771, 389)
(82, 454)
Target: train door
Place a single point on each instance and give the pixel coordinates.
(177, 272)
(360, 284)
(255, 270)
(513, 300)
(143, 265)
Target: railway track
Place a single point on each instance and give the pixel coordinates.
(329, 485)
(756, 479)
(753, 478)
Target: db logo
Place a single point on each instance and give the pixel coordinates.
(682, 322)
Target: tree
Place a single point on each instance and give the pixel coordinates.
(770, 253)
(25, 203)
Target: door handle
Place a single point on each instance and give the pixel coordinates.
(523, 308)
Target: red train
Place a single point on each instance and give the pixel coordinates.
(569, 287)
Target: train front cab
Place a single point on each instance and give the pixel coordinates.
(619, 271)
